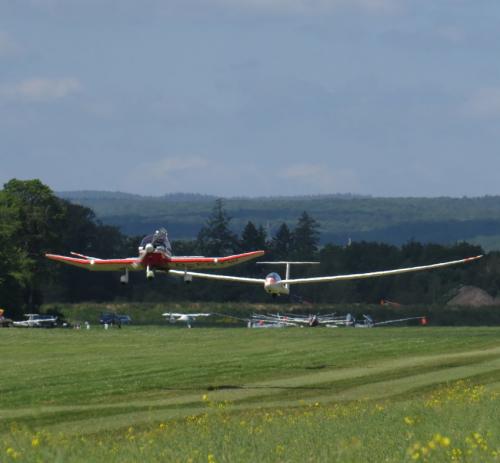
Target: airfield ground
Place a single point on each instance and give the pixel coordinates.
(212, 395)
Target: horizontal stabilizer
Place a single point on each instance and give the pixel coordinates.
(286, 262)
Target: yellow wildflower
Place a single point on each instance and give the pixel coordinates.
(12, 453)
(35, 442)
(456, 454)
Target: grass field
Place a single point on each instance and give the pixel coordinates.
(210, 395)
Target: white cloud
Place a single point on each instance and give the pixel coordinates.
(195, 174)
(40, 89)
(484, 103)
(172, 166)
(321, 179)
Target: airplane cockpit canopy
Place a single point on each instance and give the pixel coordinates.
(274, 276)
(159, 239)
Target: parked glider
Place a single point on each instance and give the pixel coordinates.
(274, 285)
(368, 321)
(188, 318)
(34, 320)
(310, 320)
(155, 255)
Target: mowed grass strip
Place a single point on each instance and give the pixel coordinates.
(84, 380)
(159, 394)
(42, 367)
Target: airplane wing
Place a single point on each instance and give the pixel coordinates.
(214, 276)
(400, 320)
(94, 264)
(325, 279)
(192, 315)
(357, 276)
(200, 262)
(136, 263)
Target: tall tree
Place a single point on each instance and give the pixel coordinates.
(11, 290)
(281, 243)
(36, 225)
(305, 238)
(253, 238)
(216, 238)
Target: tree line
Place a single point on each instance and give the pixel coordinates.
(33, 221)
(390, 220)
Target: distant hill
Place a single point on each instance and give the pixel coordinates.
(91, 195)
(390, 220)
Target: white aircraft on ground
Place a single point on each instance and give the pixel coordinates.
(297, 319)
(368, 321)
(189, 318)
(35, 320)
(274, 285)
(329, 320)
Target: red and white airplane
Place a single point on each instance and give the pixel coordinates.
(155, 255)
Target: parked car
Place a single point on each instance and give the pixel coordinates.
(5, 322)
(115, 319)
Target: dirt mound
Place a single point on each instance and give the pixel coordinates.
(473, 297)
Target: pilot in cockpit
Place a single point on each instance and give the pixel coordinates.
(158, 241)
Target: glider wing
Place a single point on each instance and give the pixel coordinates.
(358, 276)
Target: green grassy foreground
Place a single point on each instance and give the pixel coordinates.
(168, 394)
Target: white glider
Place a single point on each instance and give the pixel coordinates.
(274, 285)
(188, 318)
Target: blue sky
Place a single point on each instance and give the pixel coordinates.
(252, 97)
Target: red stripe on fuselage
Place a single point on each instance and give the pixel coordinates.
(155, 260)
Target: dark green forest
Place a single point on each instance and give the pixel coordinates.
(34, 220)
(341, 217)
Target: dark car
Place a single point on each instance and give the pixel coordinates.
(115, 319)
(5, 322)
